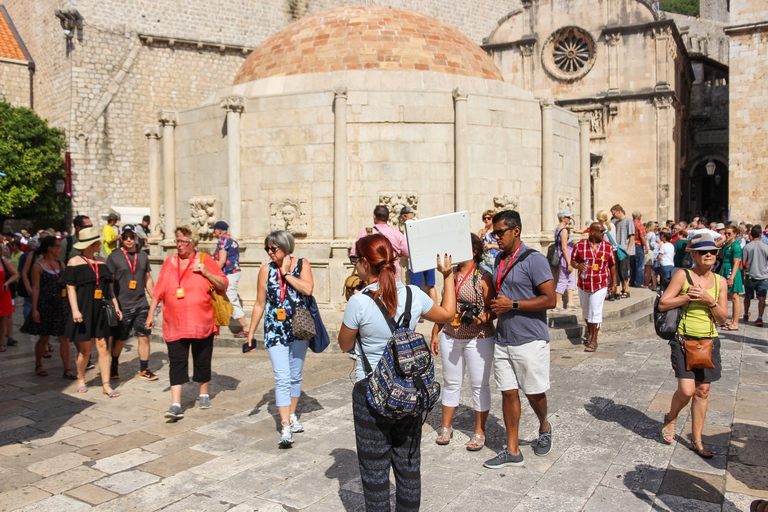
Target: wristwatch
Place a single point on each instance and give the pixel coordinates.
(515, 305)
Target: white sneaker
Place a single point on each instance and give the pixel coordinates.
(286, 437)
(295, 425)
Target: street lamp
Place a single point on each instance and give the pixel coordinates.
(60, 186)
(710, 167)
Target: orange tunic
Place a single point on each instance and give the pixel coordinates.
(191, 316)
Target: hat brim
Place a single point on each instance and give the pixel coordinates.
(84, 244)
(704, 246)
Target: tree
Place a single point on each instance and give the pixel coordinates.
(31, 158)
(689, 7)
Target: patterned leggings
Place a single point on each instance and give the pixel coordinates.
(382, 442)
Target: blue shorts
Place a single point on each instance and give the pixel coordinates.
(426, 278)
(754, 287)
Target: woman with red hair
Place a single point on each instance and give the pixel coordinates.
(383, 442)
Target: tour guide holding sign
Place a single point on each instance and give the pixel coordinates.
(525, 290)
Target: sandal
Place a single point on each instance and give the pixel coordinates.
(476, 443)
(698, 447)
(48, 352)
(82, 389)
(69, 375)
(41, 372)
(591, 347)
(625, 295)
(668, 435)
(111, 393)
(444, 435)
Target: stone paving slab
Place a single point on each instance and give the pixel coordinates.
(61, 450)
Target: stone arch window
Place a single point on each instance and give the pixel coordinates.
(569, 53)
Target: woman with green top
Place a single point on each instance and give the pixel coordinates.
(704, 304)
(731, 270)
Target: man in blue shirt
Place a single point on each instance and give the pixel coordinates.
(228, 257)
(525, 290)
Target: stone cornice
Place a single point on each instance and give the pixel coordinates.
(747, 27)
(172, 41)
(528, 40)
(589, 103)
(233, 103)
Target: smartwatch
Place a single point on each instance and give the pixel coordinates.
(515, 305)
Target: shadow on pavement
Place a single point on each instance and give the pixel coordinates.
(345, 469)
(32, 421)
(647, 482)
(307, 404)
(218, 383)
(748, 455)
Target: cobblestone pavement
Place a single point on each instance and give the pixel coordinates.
(64, 451)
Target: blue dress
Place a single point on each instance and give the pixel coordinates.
(279, 331)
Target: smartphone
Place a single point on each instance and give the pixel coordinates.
(247, 347)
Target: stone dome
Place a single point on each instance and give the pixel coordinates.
(367, 37)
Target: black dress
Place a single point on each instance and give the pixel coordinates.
(53, 308)
(94, 324)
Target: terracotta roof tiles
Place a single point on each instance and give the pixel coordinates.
(9, 46)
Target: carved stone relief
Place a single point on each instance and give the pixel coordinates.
(204, 212)
(290, 214)
(395, 201)
(505, 202)
(160, 224)
(566, 203)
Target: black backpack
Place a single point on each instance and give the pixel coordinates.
(666, 322)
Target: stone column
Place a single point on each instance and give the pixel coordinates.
(340, 188)
(167, 119)
(153, 135)
(595, 175)
(460, 167)
(548, 220)
(613, 62)
(527, 51)
(584, 182)
(661, 37)
(665, 158)
(234, 105)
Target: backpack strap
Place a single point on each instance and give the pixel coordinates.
(405, 318)
(390, 322)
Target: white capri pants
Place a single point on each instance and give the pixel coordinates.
(237, 308)
(477, 356)
(592, 305)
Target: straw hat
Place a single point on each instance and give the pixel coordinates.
(87, 237)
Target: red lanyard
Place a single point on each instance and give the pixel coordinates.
(503, 271)
(460, 284)
(56, 273)
(132, 268)
(283, 285)
(186, 270)
(95, 268)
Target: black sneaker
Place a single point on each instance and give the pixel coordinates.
(544, 445)
(11, 342)
(114, 373)
(148, 375)
(504, 458)
(174, 413)
(90, 365)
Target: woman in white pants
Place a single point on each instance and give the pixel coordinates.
(467, 342)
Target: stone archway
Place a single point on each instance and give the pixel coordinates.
(708, 194)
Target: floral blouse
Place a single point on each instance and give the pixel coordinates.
(280, 331)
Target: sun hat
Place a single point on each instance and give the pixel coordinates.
(720, 225)
(702, 242)
(87, 237)
(564, 213)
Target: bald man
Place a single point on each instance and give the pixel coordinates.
(595, 261)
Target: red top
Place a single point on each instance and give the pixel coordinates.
(603, 256)
(639, 233)
(192, 316)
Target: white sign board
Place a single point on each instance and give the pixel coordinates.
(444, 234)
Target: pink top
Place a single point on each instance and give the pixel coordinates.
(191, 316)
(395, 237)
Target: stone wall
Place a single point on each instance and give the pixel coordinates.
(703, 36)
(14, 82)
(748, 88)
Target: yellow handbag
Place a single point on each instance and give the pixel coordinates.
(222, 308)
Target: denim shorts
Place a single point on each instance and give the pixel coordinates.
(132, 324)
(754, 287)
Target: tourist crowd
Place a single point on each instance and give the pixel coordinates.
(95, 289)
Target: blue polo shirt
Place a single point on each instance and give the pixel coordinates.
(521, 283)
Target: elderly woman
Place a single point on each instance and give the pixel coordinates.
(89, 285)
(704, 305)
(467, 342)
(184, 288)
(282, 286)
(50, 310)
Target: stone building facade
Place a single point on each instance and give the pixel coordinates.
(748, 140)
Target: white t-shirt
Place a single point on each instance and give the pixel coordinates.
(363, 315)
(667, 253)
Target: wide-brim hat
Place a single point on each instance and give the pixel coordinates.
(702, 242)
(86, 238)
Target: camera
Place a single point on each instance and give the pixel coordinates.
(468, 312)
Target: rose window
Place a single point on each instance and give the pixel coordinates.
(569, 53)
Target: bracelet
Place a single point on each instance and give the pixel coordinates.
(713, 306)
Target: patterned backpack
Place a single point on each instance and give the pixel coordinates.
(403, 384)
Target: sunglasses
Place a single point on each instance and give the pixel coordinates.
(498, 233)
(353, 260)
(129, 237)
(271, 249)
(711, 252)
(487, 218)
(183, 242)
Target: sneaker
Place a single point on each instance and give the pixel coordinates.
(295, 425)
(205, 402)
(286, 436)
(114, 373)
(11, 342)
(174, 413)
(544, 445)
(504, 458)
(147, 374)
(90, 366)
